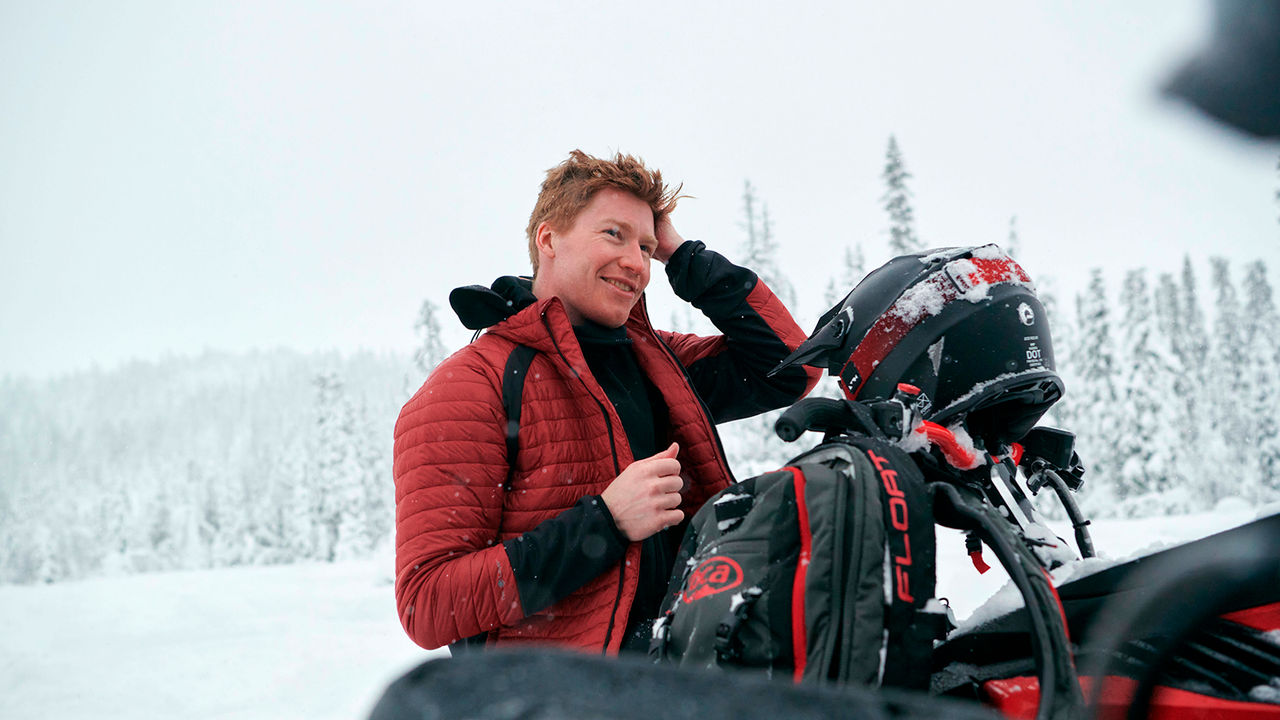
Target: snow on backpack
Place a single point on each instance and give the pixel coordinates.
(821, 571)
(825, 569)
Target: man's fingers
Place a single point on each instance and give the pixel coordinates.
(672, 518)
(667, 485)
(669, 500)
(662, 467)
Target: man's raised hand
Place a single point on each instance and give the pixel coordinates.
(668, 240)
(645, 498)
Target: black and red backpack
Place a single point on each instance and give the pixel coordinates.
(821, 571)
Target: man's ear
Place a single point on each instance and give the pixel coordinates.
(544, 240)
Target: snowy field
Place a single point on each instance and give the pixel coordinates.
(307, 641)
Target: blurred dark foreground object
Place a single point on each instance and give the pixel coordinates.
(547, 685)
(1236, 78)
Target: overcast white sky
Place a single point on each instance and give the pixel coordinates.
(181, 176)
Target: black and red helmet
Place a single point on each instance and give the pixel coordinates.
(963, 325)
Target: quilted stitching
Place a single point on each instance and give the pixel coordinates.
(453, 577)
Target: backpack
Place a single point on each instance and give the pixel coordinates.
(823, 571)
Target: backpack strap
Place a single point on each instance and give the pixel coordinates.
(513, 375)
(911, 621)
(517, 367)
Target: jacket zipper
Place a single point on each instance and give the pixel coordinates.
(721, 456)
(613, 449)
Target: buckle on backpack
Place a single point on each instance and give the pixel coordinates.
(727, 647)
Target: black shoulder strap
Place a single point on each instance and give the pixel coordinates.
(517, 367)
(518, 363)
(911, 575)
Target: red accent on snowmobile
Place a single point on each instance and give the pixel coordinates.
(1264, 618)
(1019, 697)
(979, 563)
(799, 642)
(1066, 623)
(951, 449)
(1015, 452)
(902, 316)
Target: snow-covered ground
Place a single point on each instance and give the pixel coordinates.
(305, 641)
(298, 641)
(1112, 540)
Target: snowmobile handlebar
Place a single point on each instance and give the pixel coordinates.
(1047, 455)
(889, 419)
(827, 415)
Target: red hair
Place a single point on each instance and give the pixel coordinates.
(572, 184)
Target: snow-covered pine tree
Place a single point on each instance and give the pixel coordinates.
(847, 277)
(1169, 317)
(897, 202)
(1012, 244)
(293, 498)
(279, 525)
(335, 478)
(1148, 444)
(1092, 405)
(1063, 339)
(831, 295)
(377, 494)
(1227, 370)
(430, 350)
(751, 443)
(1192, 346)
(760, 251)
(1262, 352)
(1185, 391)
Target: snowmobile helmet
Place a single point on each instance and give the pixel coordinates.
(963, 325)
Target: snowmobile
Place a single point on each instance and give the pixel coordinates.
(953, 350)
(949, 353)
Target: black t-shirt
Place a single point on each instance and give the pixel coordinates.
(643, 413)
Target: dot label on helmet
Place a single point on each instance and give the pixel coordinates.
(1035, 357)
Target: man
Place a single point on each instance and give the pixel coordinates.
(571, 540)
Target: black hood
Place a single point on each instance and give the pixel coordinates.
(480, 307)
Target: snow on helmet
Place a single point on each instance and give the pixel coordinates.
(963, 325)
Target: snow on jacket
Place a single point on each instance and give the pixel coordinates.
(458, 501)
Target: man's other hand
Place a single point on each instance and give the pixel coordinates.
(668, 241)
(645, 498)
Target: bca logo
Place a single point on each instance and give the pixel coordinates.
(1026, 314)
(714, 575)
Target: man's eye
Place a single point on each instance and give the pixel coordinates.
(614, 232)
(647, 250)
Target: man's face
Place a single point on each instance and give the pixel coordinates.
(600, 265)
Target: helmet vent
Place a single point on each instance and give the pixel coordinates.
(935, 354)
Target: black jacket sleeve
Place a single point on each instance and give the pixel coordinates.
(733, 381)
(563, 553)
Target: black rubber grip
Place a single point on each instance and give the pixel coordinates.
(815, 413)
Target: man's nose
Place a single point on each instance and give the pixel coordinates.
(633, 259)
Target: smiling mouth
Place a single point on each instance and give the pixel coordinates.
(620, 285)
